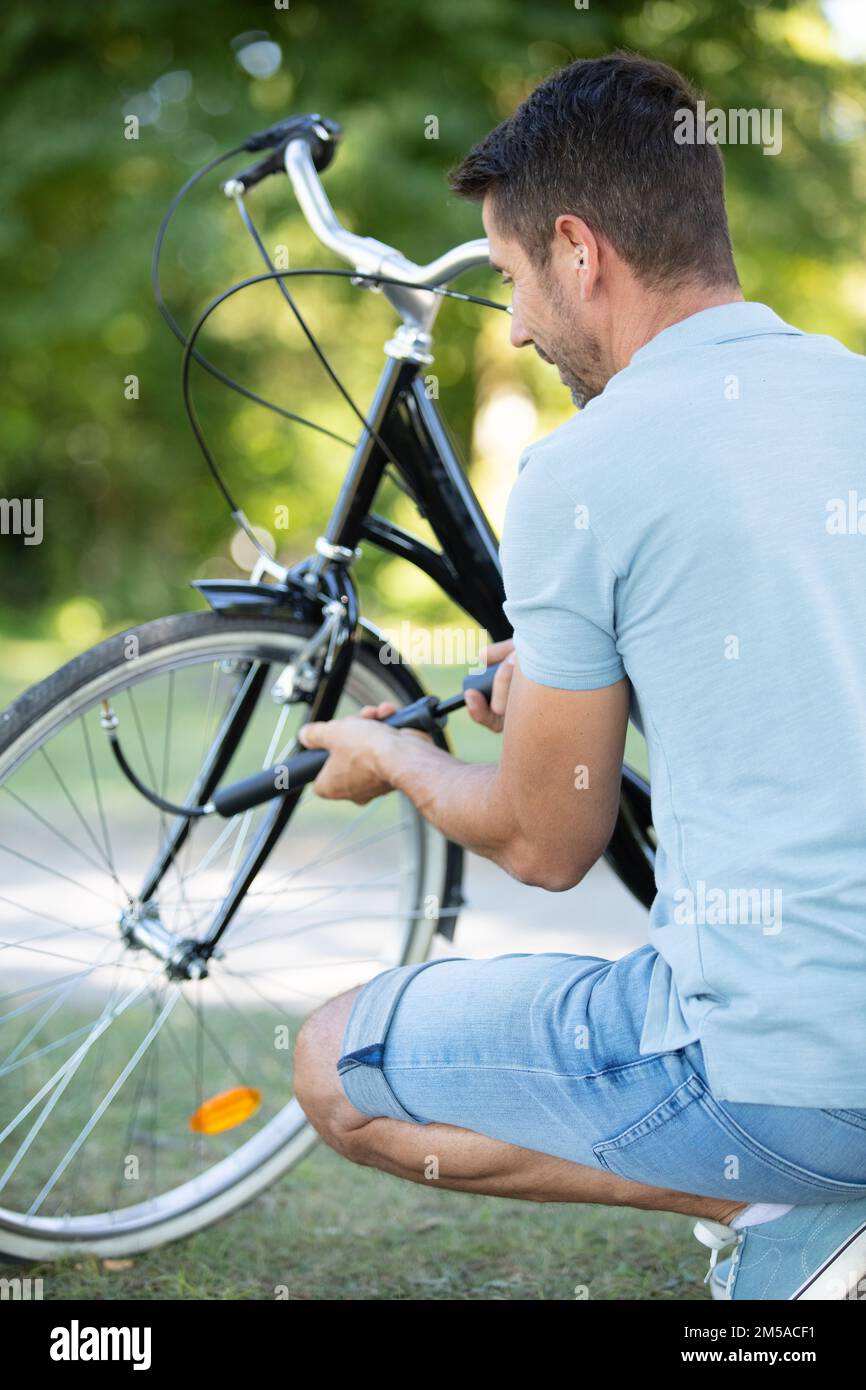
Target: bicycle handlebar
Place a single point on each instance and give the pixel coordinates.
(365, 253)
(304, 146)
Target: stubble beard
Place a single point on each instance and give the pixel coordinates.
(575, 351)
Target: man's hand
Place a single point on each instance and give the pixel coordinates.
(492, 715)
(545, 813)
(357, 747)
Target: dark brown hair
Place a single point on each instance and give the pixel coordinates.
(596, 139)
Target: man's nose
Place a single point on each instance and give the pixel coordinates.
(519, 336)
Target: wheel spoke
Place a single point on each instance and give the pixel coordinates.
(98, 796)
(97, 1062)
(24, 1042)
(46, 868)
(76, 809)
(54, 831)
(214, 1039)
(76, 960)
(47, 917)
(105, 1102)
(61, 1079)
(275, 887)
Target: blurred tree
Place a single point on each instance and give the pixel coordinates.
(129, 513)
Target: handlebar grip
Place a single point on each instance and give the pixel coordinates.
(320, 132)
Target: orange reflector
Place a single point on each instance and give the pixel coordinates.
(226, 1111)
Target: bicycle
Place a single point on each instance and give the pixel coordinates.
(199, 855)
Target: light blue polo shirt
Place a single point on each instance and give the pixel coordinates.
(700, 527)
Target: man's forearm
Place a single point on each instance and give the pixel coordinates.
(462, 800)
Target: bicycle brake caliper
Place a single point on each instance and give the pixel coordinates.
(299, 679)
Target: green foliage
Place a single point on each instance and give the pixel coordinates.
(130, 514)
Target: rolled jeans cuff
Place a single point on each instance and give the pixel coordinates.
(360, 1066)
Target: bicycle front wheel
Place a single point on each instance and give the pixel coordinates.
(137, 1107)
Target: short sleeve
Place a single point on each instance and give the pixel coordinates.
(559, 585)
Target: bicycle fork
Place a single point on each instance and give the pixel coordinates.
(322, 669)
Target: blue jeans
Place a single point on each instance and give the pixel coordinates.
(541, 1050)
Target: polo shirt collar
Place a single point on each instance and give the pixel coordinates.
(724, 323)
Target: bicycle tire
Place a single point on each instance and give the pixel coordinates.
(29, 720)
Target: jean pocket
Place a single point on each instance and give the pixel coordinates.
(689, 1143)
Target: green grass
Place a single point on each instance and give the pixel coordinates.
(333, 1231)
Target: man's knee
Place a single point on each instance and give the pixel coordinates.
(316, 1082)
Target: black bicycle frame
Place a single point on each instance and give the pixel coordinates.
(466, 567)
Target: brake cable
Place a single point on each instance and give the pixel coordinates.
(260, 246)
(356, 276)
(109, 720)
(178, 331)
(237, 513)
(427, 714)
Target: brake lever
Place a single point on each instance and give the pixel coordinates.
(320, 133)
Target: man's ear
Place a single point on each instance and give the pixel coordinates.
(579, 251)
